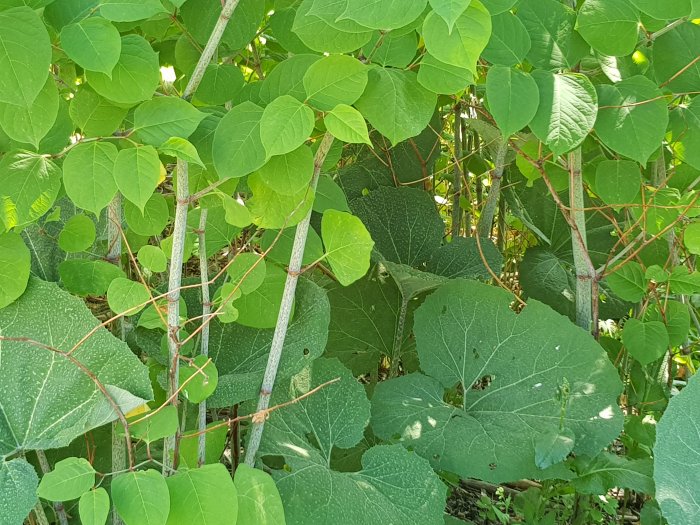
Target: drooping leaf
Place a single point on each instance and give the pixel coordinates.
(182, 149)
(348, 245)
(391, 479)
(396, 104)
(513, 98)
(15, 264)
(633, 117)
(161, 118)
(18, 484)
(25, 55)
(204, 495)
(599, 474)
(259, 501)
(137, 172)
(467, 334)
(93, 43)
(347, 124)
(36, 413)
(69, 479)
(238, 149)
(94, 507)
(141, 497)
(567, 110)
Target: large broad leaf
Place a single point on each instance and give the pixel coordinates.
(200, 17)
(513, 98)
(141, 497)
(240, 353)
(383, 14)
(510, 42)
(95, 115)
(466, 334)
(29, 185)
(667, 10)
(155, 121)
(18, 484)
(45, 399)
(238, 149)
(462, 45)
(632, 118)
(88, 175)
(15, 264)
(675, 57)
(393, 482)
(396, 104)
(137, 172)
(449, 10)
(130, 10)
(677, 443)
(403, 223)
(29, 123)
(259, 500)
(599, 20)
(333, 80)
(467, 258)
(348, 245)
(93, 43)
(25, 55)
(285, 125)
(555, 44)
(320, 35)
(272, 209)
(204, 496)
(567, 110)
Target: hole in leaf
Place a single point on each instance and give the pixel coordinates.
(483, 383)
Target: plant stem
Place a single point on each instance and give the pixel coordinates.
(457, 184)
(669, 27)
(486, 220)
(584, 279)
(398, 339)
(285, 308)
(180, 231)
(57, 505)
(114, 255)
(39, 514)
(206, 312)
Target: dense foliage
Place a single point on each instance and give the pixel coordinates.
(458, 238)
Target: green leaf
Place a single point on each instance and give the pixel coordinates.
(83, 277)
(70, 479)
(204, 383)
(392, 480)
(247, 271)
(462, 46)
(467, 334)
(29, 185)
(627, 127)
(290, 173)
(510, 42)
(93, 44)
(260, 307)
(135, 77)
(18, 484)
(329, 196)
(676, 317)
(605, 471)
(645, 341)
(683, 281)
(383, 14)
(283, 240)
(236, 213)
(442, 78)
(152, 220)
(555, 44)
(152, 426)
(238, 149)
(449, 10)
(220, 83)
(77, 235)
(204, 496)
(618, 182)
(36, 413)
(153, 258)
(599, 19)
(200, 17)
(181, 149)
(141, 497)
(318, 35)
(130, 10)
(29, 123)
(94, 507)
(513, 98)
(674, 52)
(285, 125)
(287, 78)
(333, 80)
(416, 227)
(553, 447)
(216, 440)
(668, 10)
(677, 438)
(347, 124)
(137, 172)
(271, 209)
(396, 104)
(15, 264)
(157, 120)
(241, 372)
(691, 238)
(567, 110)
(348, 245)
(496, 7)
(94, 115)
(88, 175)
(259, 502)
(126, 296)
(464, 257)
(629, 282)
(392, 50)
(25, 56)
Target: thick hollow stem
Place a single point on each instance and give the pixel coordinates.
(584, 277)
(285, 309)
(57, 505)
(486, 220)
(457, 185)
(206, 312)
